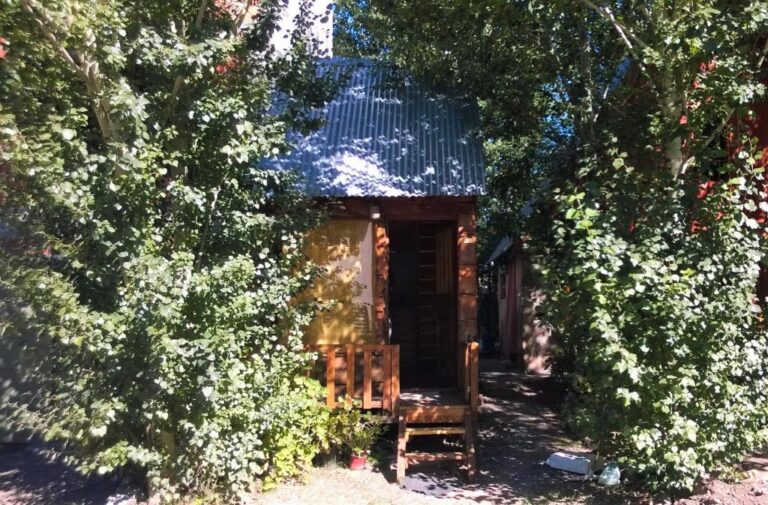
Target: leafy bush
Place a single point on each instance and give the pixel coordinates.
(662, 338)
(652, 253)
(150, 267)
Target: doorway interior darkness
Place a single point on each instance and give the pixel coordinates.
(422, 301)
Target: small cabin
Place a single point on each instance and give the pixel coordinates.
(523, 338)
(400, 168)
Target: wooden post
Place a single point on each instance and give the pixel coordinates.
(467, 292)
(474, 378)
(465, 365)
(395, 380)
(330, 376)
(386, 388)
(351, 371)
(402, 461)
(469, 445)
(380, 325)
(367, 378)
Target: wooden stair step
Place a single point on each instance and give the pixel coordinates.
(441, 430)
(435, 456)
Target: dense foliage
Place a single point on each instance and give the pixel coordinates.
(654, 262)
(626, 127)
(149, 265)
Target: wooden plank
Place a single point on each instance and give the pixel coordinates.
(468, 285)
(330, 377)
(358, 347)
(469, 446)
(402, 461)
(427, 431)
(415, 457)
(395, 380)
(443, 414)
(367, 382)
(351, 371)
(467, 290)
(467, 371)
(386, 388)
(380, 289)
(474, 396)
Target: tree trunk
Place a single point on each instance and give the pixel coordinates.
(584, 100)
(672, 108)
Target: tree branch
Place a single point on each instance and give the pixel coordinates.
(200, 13)
(240, 18)
(51, 37)
(206, 228)
(87, 68)
(624, 33)
(179, 81)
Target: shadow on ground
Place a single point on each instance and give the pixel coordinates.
(518, 430)
(30, 474)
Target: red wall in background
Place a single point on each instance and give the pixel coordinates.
(760, 130)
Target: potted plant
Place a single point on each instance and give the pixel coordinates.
(356, 431)
(361, 438)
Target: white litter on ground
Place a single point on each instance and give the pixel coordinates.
(569, 462)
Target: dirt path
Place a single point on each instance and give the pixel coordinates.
(518, 431)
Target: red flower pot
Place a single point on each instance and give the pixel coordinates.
(357, 462)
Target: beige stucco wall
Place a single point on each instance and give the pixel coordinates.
(345, 250)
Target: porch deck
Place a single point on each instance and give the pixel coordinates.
(371, 374)
(418, 412)
(424, 397)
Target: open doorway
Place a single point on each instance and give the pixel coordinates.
(422, 301)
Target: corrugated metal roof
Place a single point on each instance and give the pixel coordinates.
(503, 246)
(387, 136)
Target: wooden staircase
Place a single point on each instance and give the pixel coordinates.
(431, 412)
(418, 412)
(443, 421)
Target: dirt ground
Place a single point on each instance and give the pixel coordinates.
(751, 490)
(518, 431)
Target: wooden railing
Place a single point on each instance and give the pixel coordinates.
(471, 375)
(370, 373)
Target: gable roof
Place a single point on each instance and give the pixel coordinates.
(386, 135)
(502, 247)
